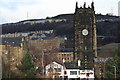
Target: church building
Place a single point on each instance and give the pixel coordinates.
(85, 48)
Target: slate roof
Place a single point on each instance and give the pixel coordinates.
(34, 38)
(45, 38)
(54, 61)
(30, 34)
(67, 50)
(71, 65)
(14, 41)
(74, 65)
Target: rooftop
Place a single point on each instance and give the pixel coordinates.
(13, 41)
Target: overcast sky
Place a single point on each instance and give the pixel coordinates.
(16, 10)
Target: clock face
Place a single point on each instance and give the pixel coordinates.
(85, 32)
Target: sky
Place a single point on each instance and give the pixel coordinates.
(12, 11)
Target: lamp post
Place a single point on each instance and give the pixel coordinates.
(8, 58)
(43, 53)
(5, 73)
(115, 72)
(43, 61)
(8, 54)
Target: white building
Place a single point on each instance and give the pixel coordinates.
(81, 74)
(119, 8)
(56, 70)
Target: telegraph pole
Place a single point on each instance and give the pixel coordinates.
(43, 61)
(115, 72)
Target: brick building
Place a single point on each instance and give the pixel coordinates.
(43, 49)
(65, 55)
(12, 53)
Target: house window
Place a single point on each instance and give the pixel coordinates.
(57, 69)
(78, 72)
(73, 72)
(50, 70)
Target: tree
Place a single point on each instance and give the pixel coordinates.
(30, 73)
(112, 64)
(27, 66)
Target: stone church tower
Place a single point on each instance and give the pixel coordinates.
(85, 35)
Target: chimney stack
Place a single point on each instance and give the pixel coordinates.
(79, 63)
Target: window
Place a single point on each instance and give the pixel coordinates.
(57, 69)
(50, 70)
(73, 72)
(64, 54)
(79, 72)
(68, 54)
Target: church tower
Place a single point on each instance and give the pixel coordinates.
(85, 35)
